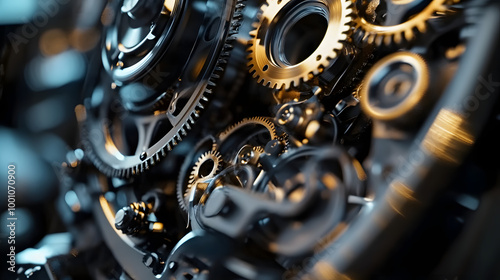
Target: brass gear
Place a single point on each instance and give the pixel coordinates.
(378, 34)
(268, 61)
(206, 167)
(262, 121)
(198, 173)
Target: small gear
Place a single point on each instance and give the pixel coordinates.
(281, 55)
(205, 168)
(206, 145)
(396, 32)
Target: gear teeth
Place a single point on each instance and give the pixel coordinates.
(231, 32)
(266, 122)
(396, 33)
(264, 7)
(263, 72)
(193, 178)
(421, 27)
(408, 35)
(397, 38)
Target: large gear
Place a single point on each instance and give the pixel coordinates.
(283, 23)
(110, 116)
(386, 34)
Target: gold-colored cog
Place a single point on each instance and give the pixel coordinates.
(262, 121)
(267, 59)
(379, 34)
(205, 168)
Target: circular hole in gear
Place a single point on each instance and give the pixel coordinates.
(304, 37)
(206, 168)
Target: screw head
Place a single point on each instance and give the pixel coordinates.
(172, 266)
(143, 156)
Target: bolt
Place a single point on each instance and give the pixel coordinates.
(148, 260)
(247, 157)
(172, 266)
(273, 147)
(286, 116)
(143, 156)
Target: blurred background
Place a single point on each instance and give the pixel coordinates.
(46, 48)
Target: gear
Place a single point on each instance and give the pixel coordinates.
(204, 146)
(209, 155)
(205, 168)
(400, 28)
(255, 121)
(124, 139)
(280, 52)
(256, 131)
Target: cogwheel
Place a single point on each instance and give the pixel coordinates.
(205, 168)
(294, 40)
(378, 34)
(251, 122)
(122, 142)
(203, 146)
